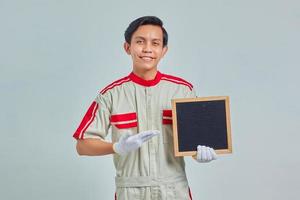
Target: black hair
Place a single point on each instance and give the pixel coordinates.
(146, 20)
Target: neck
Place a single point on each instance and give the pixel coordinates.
(144, 74)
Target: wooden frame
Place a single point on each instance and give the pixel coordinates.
(201, 100)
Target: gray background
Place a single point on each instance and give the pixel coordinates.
(56, 55)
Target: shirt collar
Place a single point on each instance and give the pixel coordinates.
(147, 83)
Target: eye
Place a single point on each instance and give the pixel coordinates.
(156, 43)
(139, 42)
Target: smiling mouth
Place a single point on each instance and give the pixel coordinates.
(146, 58)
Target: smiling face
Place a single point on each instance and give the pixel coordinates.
(146, 49)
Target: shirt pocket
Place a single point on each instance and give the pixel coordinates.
(167, 126)
(124, 120)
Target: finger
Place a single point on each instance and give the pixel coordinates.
(156, 132)
(198, 152)
(208, 154)
(147, 137)
(213, 153)
(144, 136)
(151, 133)
(203, 153)
(198, 147)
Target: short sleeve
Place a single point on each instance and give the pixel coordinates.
(95, 123)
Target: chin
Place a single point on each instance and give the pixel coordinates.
(147, 68)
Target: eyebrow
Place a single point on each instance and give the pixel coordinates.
(142, 38)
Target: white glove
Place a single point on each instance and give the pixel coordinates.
(129, 142)
(205, 154)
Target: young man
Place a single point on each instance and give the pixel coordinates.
(137, 108)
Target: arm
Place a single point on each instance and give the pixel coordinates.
(127, 143)
(94, 147)
(93, 129)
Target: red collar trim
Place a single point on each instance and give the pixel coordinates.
(143, 82)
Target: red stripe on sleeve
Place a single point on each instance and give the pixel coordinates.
(178, 82)
(115, 83)
(128, 125)
(177, 79)
(167, 113)
(167, 121)
(123, 117)
(86, 121)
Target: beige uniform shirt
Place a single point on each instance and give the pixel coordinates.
(133, 104)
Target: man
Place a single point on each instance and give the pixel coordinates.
(137, 108)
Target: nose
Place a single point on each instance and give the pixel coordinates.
(147, 48)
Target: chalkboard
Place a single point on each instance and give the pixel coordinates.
(201, 121)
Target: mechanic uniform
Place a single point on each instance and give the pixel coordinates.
(133, 104)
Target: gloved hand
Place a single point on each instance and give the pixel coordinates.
(205, 154)
(129, 142)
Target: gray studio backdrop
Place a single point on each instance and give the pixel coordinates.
(56, 55)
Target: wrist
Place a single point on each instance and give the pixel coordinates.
(114, 147)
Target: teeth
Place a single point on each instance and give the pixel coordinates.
(147, 58)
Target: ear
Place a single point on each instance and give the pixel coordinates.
(127, 48)
(164, 51)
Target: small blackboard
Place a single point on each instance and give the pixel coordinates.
(201, 121)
